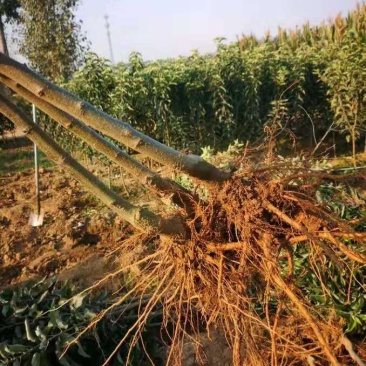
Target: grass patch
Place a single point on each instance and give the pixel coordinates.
(16, 160)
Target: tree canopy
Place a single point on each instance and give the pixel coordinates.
(9, 9)
(51, 37)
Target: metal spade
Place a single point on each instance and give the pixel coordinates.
(36, 217)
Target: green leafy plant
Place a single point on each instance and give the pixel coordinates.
(344, 290)
(40, 323)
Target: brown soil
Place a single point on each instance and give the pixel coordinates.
(75, 229)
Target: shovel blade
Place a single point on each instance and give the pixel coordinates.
(36, 219)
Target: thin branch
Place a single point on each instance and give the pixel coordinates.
(312, 123)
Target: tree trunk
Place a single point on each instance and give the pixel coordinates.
(121, 131)
(140, 218)
(3, 44)
(164, 187)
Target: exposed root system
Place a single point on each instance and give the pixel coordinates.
(244, 271)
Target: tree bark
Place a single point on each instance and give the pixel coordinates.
(140, 218)
(192, 165)
(163, 187)
(3, 44)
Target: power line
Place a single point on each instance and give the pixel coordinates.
(107, 25)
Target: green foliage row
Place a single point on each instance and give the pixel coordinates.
(313, 78)
(344, 290)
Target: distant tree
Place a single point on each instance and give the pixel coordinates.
(9, 11)
(51, 38)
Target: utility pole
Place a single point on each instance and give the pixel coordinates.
(107, 25)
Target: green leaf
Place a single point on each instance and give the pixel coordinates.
(82, 352)
(42, 297)
(88, 314)
(56, 321)
(64, 362)
(19, 310)
(36, 359)
(40, 334)
(18, 331)
(77, 300)
(31, 336)
(16, 348)
(65, 339)
(43, 345)
(3, 354)
(119, 358)
(5, 309)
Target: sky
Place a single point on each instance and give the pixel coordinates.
(169, 28)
